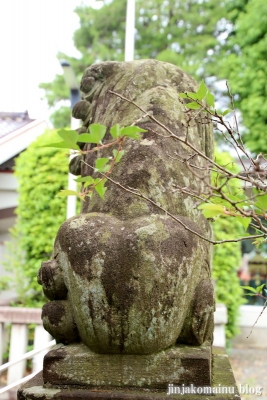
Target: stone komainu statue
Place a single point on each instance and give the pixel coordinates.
(125, 277)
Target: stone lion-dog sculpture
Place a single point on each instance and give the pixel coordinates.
(125, 278)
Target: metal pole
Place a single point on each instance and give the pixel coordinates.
(129, 31)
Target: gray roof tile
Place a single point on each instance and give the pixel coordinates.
(11, 121)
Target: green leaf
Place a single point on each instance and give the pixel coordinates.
(63, 193)
(132, 131)
(260, 288)
(100, 165)
(237, 197)
(226, 112)
(211, 206)
(249, 288)
(85, 179)
(100, 188)
(115, 131)
(97, 132)
(202, 91)
(245, 234)
(61, 145)
(257, 242)
(69, 140)
(192, 95)
(210, 210)
(210, 213)
(70, 137)
(194, 105)
(244, 221)
(89, 183)
(183, 95)
(210, 99)
(261, 202)
(118, 155)
(86, 138)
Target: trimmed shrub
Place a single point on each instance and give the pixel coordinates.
(41, 172)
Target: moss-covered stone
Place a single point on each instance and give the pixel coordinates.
(137, 281)
(224, 385)
(77, 365)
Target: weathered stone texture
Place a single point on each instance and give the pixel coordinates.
(222, 376)
(77, 365)
(130, 279)
(147, 164)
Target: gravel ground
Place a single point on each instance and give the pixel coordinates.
(249, 366)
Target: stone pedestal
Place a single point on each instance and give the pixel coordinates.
(155, 377)
(77, 365)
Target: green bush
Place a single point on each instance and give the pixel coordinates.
(41, 173)
(226, 260)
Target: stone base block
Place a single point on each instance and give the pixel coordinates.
(223, 387)
(75, 364)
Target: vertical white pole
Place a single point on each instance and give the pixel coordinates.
(71, 82)
(72, 185)
(129, 31)
(71, 200)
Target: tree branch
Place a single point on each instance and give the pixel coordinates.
(142, 196)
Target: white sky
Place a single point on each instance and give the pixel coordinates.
(32, 32)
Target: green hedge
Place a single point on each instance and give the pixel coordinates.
(41, 173)
(226, 260)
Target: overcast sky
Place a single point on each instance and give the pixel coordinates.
(32, 32)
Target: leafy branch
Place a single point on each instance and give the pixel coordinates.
(232, 193)
(237, 189)
(73, 141)
(241, 194)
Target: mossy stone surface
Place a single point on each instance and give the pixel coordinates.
(34, 389)
(138, 289)
(77, 365)
(134, 280)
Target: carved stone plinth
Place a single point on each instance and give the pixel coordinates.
(68, 370)
(77, 365)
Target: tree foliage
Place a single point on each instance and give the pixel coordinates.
(245, 69)
(226, 260)
(181, 32)
(223, 40)
(41, 173)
